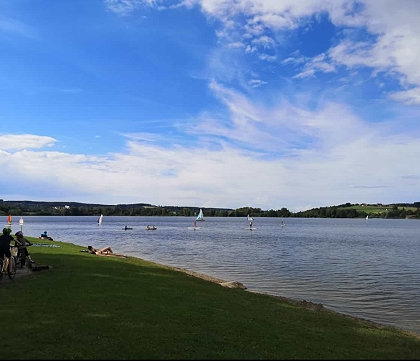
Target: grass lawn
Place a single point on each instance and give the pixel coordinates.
(93, 307)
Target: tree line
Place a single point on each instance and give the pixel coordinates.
(348, 210)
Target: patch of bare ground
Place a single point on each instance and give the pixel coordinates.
(23, 272)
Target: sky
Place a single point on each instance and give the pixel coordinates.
(210, 103)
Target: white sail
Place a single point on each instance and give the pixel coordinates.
(250, 218)
(200, 216)
(100, 219)
(367, 217)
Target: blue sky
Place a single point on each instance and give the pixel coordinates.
(210, 103)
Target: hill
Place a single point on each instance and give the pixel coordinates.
(347, 210)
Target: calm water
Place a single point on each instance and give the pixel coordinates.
(368, 269)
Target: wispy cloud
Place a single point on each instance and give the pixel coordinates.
(265, 103)
(17, 27)
(125, 7)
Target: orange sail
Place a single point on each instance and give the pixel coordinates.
(9, 219)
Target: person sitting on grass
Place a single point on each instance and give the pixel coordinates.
(107, 251)
(45, 236)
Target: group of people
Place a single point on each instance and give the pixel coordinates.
(21, 242)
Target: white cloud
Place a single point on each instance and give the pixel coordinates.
(255, 83)
(235, 45)
(265, 41)
(311, 66)
(411, 96)
(125, 7)
(394, 23)
(292, 154)
(304, 74)
(343, 159)
(267, 57)
(24, 141)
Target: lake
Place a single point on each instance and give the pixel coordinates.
(368, 269)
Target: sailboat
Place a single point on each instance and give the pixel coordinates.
(200, 216)
(100, 219)
(282, 222)
(367, 218)
(250, 219)
(9, 219)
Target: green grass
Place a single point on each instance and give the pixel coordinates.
(92, 307)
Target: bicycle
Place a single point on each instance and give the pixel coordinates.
(22, 258)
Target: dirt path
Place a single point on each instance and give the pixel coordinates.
(22, 272)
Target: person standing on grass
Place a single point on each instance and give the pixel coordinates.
(5, 240)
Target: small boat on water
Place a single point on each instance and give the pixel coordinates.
(250, 220)
(151, 228)
(200, 216)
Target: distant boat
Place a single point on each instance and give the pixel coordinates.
(282, 222)
(250, 219)
(367, 218)
(200, 216)
(9, 219)
(151, 228)
(100, 219)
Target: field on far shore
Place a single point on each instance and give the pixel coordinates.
(377, 209)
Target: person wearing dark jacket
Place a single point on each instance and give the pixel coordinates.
(5, 240)
(22, 244)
